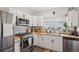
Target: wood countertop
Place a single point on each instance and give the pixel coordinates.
(62, 35)
(56, 34)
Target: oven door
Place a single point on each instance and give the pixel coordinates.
(27, 44)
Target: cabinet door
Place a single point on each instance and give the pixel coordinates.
(36, 40)
(40, 41)
(58, 43)
(73, 18)
(47, 42)
(40, 20)
(34, 21)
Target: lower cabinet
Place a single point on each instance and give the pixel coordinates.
(36, 40)
(50, 42)
(47, 42)
(57, 43)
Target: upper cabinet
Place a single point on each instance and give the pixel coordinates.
(37, 21)
(72, 18)
(40, 20)
(34, 21)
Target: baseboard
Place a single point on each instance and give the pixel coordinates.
(46, 49)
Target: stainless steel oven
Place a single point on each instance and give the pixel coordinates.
(26, 43)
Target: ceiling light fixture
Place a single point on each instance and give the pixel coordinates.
(53, 12)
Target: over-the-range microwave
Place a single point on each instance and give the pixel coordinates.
(22, 22)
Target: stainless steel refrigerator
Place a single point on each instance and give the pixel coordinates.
(6, 32)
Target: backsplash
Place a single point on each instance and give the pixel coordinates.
(20, 29)
(54, 26)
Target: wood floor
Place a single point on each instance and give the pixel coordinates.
(35, 49)
(39, 49)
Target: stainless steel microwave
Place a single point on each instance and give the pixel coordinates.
(22, 22)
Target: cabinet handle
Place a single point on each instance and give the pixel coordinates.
(42, 38)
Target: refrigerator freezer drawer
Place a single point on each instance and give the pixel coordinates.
(7, 42)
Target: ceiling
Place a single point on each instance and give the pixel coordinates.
(35, 10)
(45, 11)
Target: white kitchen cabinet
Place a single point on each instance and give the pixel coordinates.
(35, 39)
(73, 18)
(53, 42)
(37, 21)
(38, 40)
(12, 10)
(40, 20)
(30, 18)
(57, 43)
(31, 21)
(47, 41)
(50, 42)
(19, 14)
(34, 21)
